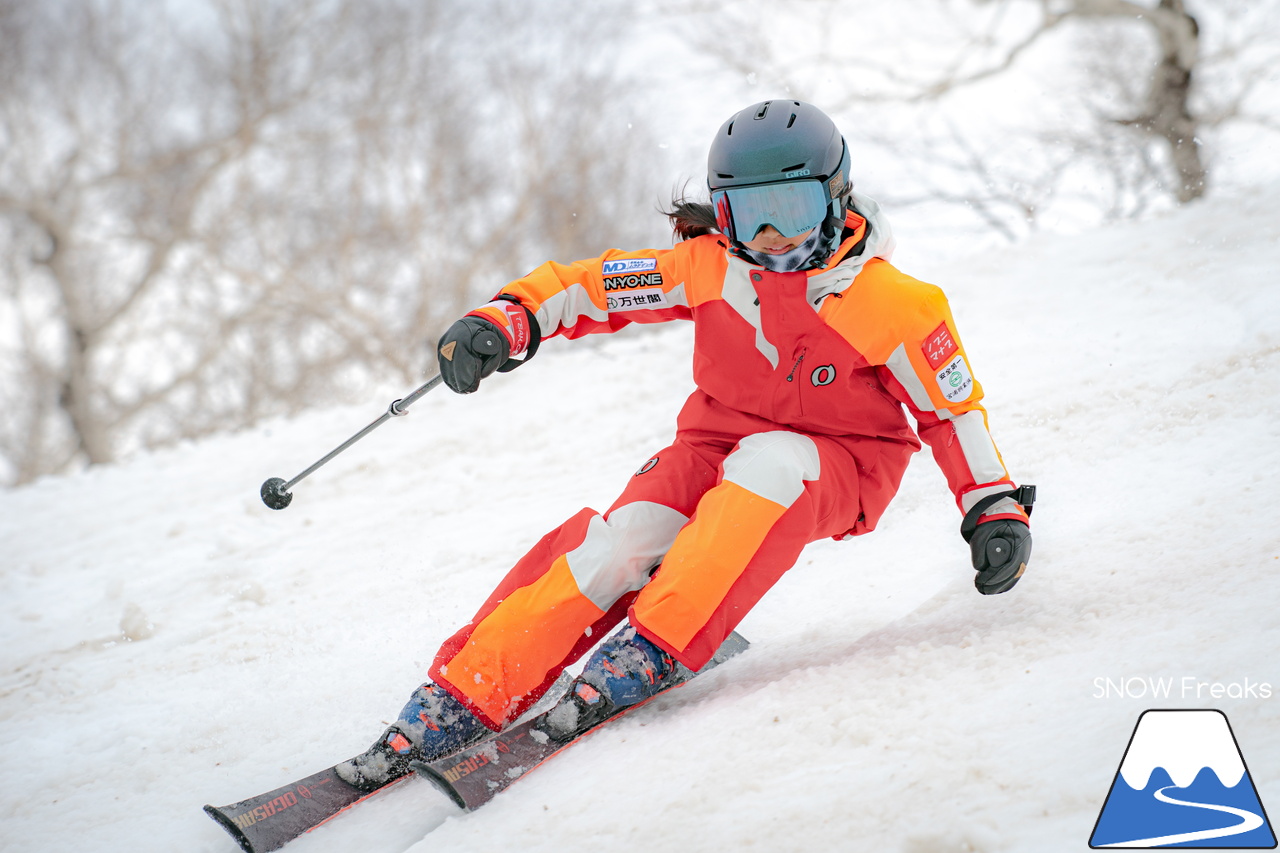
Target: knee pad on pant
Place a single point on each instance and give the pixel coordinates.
(774, 465)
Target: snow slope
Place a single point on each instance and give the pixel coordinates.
(166, 641)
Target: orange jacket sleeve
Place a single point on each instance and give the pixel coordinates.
(606, 293)
(922, 362)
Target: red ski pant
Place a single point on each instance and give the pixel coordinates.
(724, 514)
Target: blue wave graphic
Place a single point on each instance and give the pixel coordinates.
(1161, 812)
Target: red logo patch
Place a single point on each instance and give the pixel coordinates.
(518, 334)
(939, 346)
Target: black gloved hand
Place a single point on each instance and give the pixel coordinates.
(469, 351)
(1000, 550)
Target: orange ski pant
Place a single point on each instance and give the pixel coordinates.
(724, 515)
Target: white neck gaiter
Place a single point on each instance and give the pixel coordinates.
(788, 261)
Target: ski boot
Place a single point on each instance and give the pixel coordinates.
(432, 725)
(625, 670)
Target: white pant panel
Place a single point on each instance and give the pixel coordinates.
(774, 465)
(617, 555)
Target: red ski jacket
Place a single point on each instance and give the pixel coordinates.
(838, 351)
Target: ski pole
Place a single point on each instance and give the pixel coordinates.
(275, 492)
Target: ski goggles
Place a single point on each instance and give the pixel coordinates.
(792, 207)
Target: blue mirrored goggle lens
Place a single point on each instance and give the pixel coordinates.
(792, 208)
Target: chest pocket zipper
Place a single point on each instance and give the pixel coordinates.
(792, 375)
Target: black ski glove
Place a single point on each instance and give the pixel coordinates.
(469, 351)
(1000, 550)
(475, 346)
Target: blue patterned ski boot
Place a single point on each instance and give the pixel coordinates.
(625, 670)
(432, 725)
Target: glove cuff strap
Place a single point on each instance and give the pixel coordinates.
(1024, 496)
(512, 319)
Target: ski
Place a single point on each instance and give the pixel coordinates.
(475, 775)
(271, 820)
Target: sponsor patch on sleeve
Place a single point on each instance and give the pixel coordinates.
(632, 281)
(955, 380)
(632, 300)
(939, 346)
(628, 265)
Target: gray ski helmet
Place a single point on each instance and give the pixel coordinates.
(779, 141)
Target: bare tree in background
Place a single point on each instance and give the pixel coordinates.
(1159, 107)
(254, 206)
(1130, 91)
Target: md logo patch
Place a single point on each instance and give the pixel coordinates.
(1183, 783)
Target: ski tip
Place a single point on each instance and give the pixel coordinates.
(229, 825)
(443, 785)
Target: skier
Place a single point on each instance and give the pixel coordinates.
(808, 345)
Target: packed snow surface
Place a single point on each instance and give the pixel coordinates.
(167, 641)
